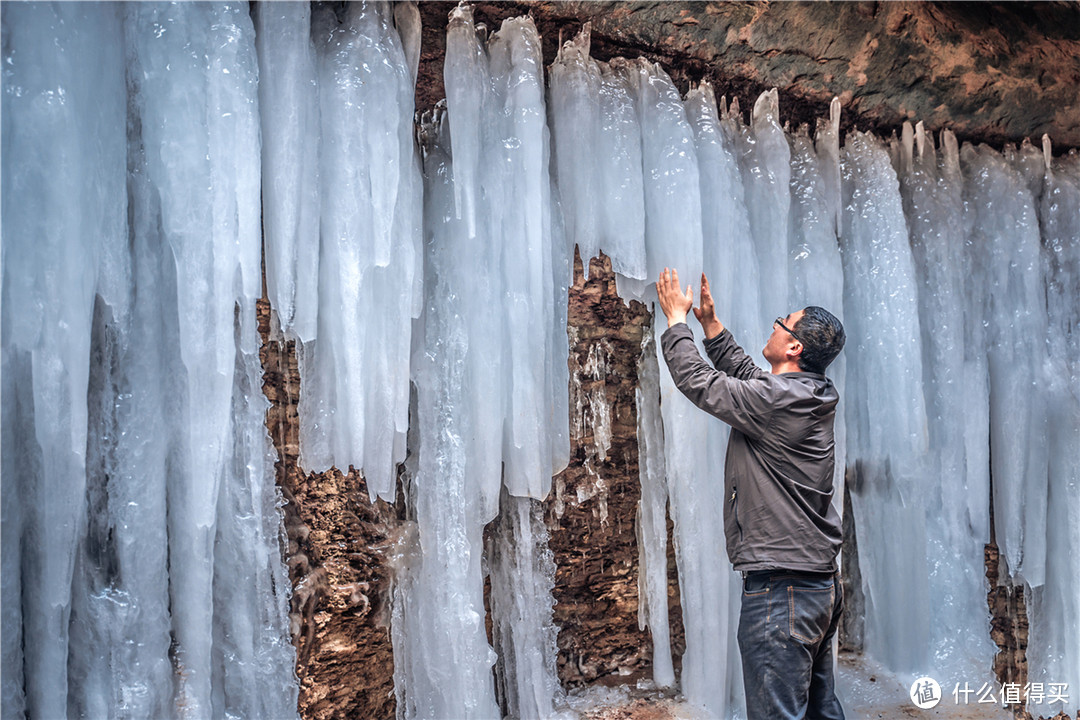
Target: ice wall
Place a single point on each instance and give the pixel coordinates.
(63, 203)
(141, 550)
(143, 573)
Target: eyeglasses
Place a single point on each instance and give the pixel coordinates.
(785, 328)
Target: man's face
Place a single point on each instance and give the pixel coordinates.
(781, 341)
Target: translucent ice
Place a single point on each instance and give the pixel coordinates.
(289, 110)
(522, 577)
(64, 169)
(651, 515)
(886, 437)
(957, 522)
(1054, 608)
(440, 641)
(155, 473)
(354, 397)
(1003, 240)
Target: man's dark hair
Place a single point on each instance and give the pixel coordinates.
(822, 338)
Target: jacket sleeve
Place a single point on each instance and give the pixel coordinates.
(728, 357)
(745, 405)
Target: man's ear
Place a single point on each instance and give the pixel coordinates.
(794, 350)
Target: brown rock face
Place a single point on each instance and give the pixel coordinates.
(993, 71)
(337, 556)
(591, 511)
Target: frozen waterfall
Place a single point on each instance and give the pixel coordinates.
(422, 269)
(142, 561)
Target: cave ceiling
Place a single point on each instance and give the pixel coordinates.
(992, 72)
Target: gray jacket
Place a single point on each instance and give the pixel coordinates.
(780, 458)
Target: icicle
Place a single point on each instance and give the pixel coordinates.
(651, 515)
(527, 296)
(64, 169)
(888, 436)
(288, 103)
(1004, 245)
(954, 505)
(466, 67)
(441, 608)
(1054, 609)
(354, 396)
(575, 125)
(766, 172)
(907, 150)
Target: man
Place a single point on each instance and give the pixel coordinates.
(781, 529)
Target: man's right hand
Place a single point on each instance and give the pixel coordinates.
(706, 313)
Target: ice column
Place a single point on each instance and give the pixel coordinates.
(1003, 241)
(956, 502)
(63, 168)
(652, 514)
(289, 110)
(1054, 608)
(598, 156)
(673, 238)
(491, 395)
(886, 437)
(765, 159)
(354, 397)
(440, 639)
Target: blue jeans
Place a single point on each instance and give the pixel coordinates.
(786, 628)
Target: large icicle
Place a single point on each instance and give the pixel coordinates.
(1054, 609)
(468, 92)
(289, 107)
(1003, 239)
(354, 401)
(63, 168)
(652, 514)
(886, 436)
(730, 262)
(516, 199)
(957, 521)
(673, 238)
(575, 124)
(439, 635)
(766, 172)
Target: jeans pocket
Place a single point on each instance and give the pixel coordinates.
(809, 612)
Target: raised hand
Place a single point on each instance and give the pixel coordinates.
(672, 300)
(706, 312)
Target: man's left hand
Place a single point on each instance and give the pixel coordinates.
(673, 302)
